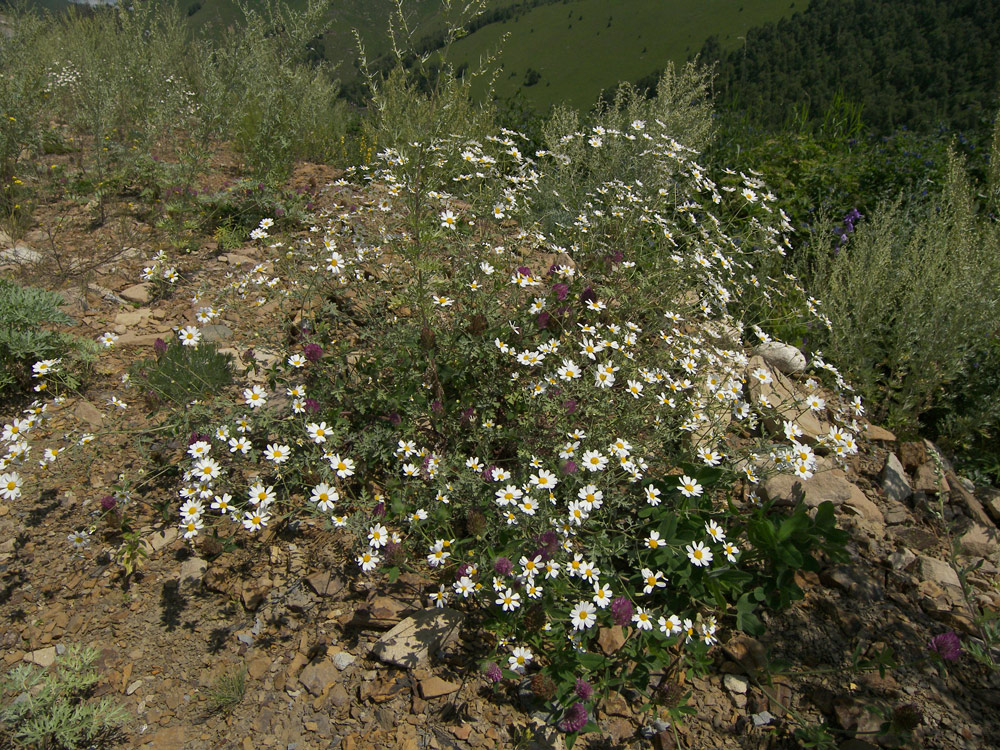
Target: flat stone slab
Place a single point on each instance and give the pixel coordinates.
(318, 677)
(137, 293)
(435, 687)
(415, 639)
(938, 571)
(894, 481)
(43, 657)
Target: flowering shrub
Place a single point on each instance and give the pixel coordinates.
(552, 417)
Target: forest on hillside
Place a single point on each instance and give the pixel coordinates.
(918, 64)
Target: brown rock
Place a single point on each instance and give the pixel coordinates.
(339, 696)
(864, 507)
(617, 727)
(258, 666)
(145, 339)
(925, 479)
(386, 611)
(915, 538)
(783, 357)
(132, 318)
(880, 434)
(192, 571)
(784, 489)
(434, 687)
(170, 738)
(316, 678)
(137, 293)
(894, 482)
(749, 653)
(832, 485)
(157, 541)
(406, 738)
(787, 400)
(415, 639)
(325, 583)
(912, 454)
(87, 412)
(43, 657)
(938, 571)
(380, 613)
(990, 500)
(611, 639)
(253, 593)
(960, 496)
(235, 259)
(979, 540)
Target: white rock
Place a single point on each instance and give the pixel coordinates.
(342, 660)
(894, 481)
(414, 640)
(735, 684)
(43, 657)
(192, 572)
(783, 357)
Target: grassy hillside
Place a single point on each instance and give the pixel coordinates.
(581, 47)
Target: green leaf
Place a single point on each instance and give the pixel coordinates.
(593, 662)
(746, 620)
(668, 530)
(792, 525)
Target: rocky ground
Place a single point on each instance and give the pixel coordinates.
(336, 661)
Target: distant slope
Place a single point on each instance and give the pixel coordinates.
(577, 48)
(914, 63)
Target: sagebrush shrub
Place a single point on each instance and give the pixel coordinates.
(50, 708)
(913, 298)
(29, 318)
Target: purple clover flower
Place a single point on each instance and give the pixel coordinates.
(574, 719)
(548, 543)
(312, 352)
(503, 566)
(583, 689)
(493, 673)
(621, 610)
(946, 645)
